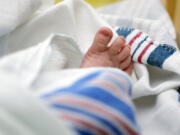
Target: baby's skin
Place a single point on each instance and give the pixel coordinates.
(117, 55)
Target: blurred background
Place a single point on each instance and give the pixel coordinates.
(172, 6)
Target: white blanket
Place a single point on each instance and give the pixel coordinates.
(61, 34)
(15, 12)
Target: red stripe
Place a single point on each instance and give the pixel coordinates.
(84, 123)
(119, 79)
(143, 52)
(134, 38)
(95, 107)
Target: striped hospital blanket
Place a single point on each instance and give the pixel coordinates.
(97, 104)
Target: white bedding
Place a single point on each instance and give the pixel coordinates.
(59, 36)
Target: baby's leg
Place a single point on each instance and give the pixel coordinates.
(100, 55)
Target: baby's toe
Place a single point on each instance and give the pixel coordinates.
(101, 40)
(116, 46)
(125, 52)
(125, 64)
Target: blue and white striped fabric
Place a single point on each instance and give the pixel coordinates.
(146, 51)
(97, 104)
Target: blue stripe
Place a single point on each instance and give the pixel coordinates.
(76, 84)
(124, 31)
(99, 94)
(92, 76)
(139, 45)
(53, 93)
(160, 54)
(98, 118)
(179, 94)
(82, 132)
(179, 90)
(87, 78)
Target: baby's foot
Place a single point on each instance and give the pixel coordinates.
(100, 55)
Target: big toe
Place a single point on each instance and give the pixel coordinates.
(101, 40)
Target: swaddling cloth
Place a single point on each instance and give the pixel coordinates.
(146, 51)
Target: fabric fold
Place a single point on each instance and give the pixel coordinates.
(15, 12)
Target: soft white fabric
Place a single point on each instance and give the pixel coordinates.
(59, 36)
(53, 20)
(15, 12)
(148, 16)
(158, 115)
(47, 3)
(23, 114)
(46, 56)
